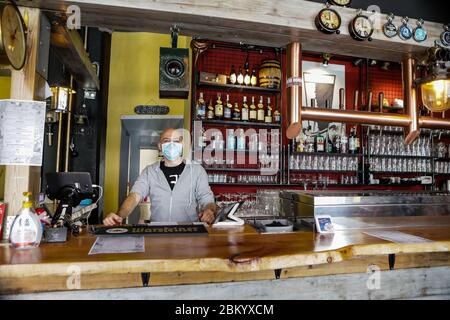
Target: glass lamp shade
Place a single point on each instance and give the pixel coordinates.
(436, 95)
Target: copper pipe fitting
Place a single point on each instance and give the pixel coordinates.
(294, 89)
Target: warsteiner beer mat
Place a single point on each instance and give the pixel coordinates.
(149, 230)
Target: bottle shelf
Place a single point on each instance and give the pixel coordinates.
(240, 123)
(397, 157)
(224, 151)
(244, 184)
(325, 171)
(327, 154)
(242, 169)
(232, 87)
(400, 172)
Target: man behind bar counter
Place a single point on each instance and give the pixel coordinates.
(177, 190)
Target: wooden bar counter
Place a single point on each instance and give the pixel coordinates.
(222, 256)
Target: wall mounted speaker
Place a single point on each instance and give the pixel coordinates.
(174, 73)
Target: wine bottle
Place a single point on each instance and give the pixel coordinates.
(236, 112)
(244, 110)
(344, 142)
(253, 78)
(201, 107)
(352, 141)
(228, 109)
(218, 110)
(210, 113)
(268, 117)
(247, 76)
(276, 113)
(253, 113)
(261, 113)
(320, 143)
(233, 76)
(240, 77)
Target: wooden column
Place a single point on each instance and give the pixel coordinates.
(26, 84)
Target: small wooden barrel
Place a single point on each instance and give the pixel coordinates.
(270, 74)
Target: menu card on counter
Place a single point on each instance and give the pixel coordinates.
(21, 132)
(126, 244)
(397, 236)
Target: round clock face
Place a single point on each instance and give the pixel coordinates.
(342, 3)
(13, 36)
(330, 19)
(405, 32)
(363, 27)
(445, 38)
(420, 34)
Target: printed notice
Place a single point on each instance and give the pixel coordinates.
(397, 236)
(125, 244)
(21, 132)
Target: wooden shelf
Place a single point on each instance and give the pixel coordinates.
(401, 172)
(325, 171)
(244, 184)
(239, 88)
(327, 154)
(401, 157)
(241, 169)
(240, 123)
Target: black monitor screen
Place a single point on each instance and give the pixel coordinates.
(59, 185)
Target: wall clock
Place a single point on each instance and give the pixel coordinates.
(328, 21)
(361, 27)
(13, 33)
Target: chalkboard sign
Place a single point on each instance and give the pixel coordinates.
(152, 109)
(149, 230)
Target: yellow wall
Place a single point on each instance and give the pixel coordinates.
(5, 88)
(133, 80)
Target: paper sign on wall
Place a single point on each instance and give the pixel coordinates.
(21, 132)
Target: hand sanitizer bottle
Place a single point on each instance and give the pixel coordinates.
(26, 231)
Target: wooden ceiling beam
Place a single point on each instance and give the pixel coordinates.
(274, 23)
(70, 49)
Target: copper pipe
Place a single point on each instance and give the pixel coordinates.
(342, 99)
(356, 117)
(434, 123)
(69, 127)
(294, 89)
(363, 117)
(409, 95)
(369, 101)
(59, 142)
(355, 101)
(380, 102)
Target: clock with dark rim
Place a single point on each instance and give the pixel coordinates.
(389, 29)
(405, 32)
(341, 3)
(445, 36)
(328, 21)
(420, 33)
(361, 28)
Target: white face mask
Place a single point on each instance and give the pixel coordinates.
(172, 150)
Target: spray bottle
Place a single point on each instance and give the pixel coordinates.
(26, 231)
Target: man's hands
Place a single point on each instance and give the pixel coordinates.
(207, 216)
(112, 219)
